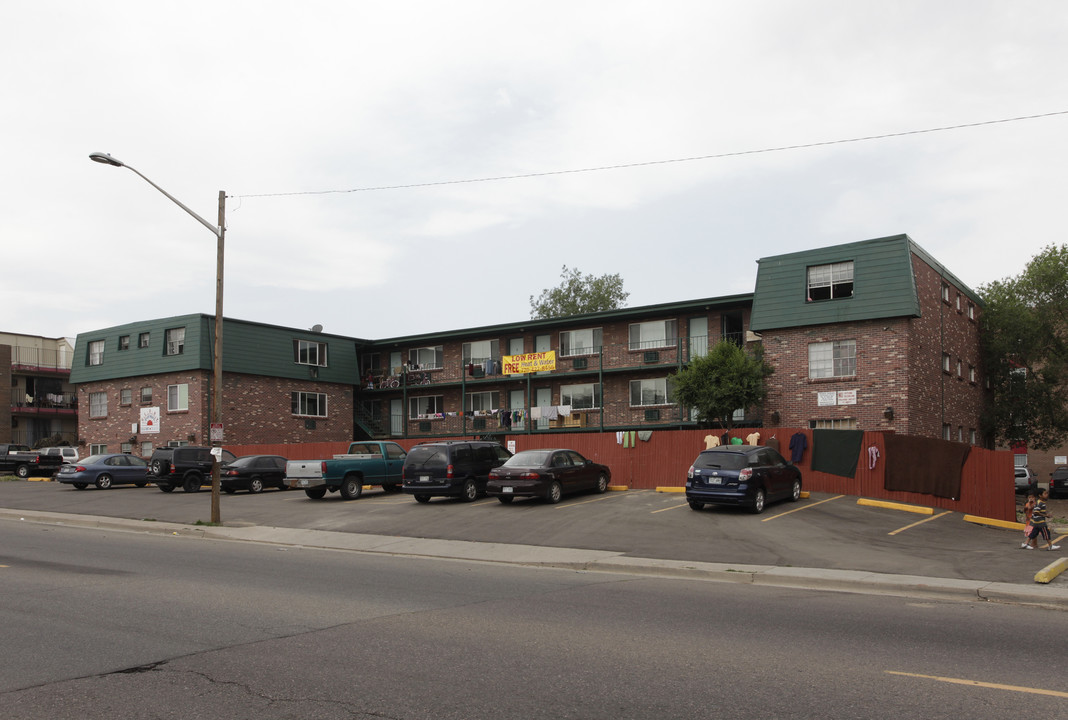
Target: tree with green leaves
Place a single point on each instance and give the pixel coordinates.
(728, 378)
(578, 294)
(1024, 335)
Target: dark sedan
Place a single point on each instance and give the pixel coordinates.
(749, 475)
(548, 474)
(253, 473)
(103, 471)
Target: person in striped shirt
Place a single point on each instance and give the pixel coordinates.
(1040, 524)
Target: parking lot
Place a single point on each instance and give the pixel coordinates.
(822, 531)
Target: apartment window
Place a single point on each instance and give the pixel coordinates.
(126, 447)
(580, 342)
(960, 433)
(96, 352)
(960, 308)
(581, 397)
(833, 424)
(832, 359)
(307, 352)
(142, 340)
(972, 436)
(309, 403)
(177, 397)
(828, 282)
(971, 311)
(125, 398)
(483, 401)
(98, 404)
(97, 448)
(146, 396)
(650, 391)
(945, 362)
(480, 351)
(124, 342)
(947, 432)
(146, 449)
(971, 374)
(656, 334)
(960, 370)
(174, 341)
(427, 358)
(425, 407)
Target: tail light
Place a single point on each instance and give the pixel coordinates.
(530, 476)
(80, 468)
(322, 467)
(745, 474)
(448, 471)
(689, 473)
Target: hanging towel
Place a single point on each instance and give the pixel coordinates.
(938, 474)
(626, 439)
(798, 443)
(619, 438)
(565, 411)
(645, 435)
(836, 451)
(873, 456)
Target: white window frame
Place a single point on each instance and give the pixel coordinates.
(425, 407)
(308, 404)
(174, 341)
(479, 351)
(650, 392)
(146, 400)
(833, 424)
(124, 342)
(126, 396)
(144, 339)
(96, 352)
(309, 352)
(832, 359)
(653, 334)
(146, 448)
(427, 358)
(483, 401)
(587, 341)
(98, 404)
(835, 280)
(97, 448)
(583, 396)
(178, 397)
(972, 377)
(946, 363)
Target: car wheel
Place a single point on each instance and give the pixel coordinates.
(317, 493)
(695, 504)
(165, 487)
(505, 499)
(795, 491)
(103, 482)
(758, 501)
(81, 486)
(23, 471)
(469, 492)
(191, 484)
(255, 485)
(554, 493)
(141, 484)
(422, 498)
(351, 488)
(602, 483)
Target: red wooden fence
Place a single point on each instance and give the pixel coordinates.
(987, 485)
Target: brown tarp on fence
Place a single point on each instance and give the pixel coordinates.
(924, 465)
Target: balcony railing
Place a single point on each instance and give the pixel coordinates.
(44, 403)
(35, 359)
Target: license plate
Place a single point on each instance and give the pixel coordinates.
(506, 489)
(424, 478)
(714, 481)
(303, 482)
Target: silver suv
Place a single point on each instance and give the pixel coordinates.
(1025, 479)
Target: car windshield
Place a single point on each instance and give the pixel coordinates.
(425, 455)
(721, 461)
(528, 458)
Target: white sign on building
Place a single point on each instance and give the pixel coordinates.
(149, 420)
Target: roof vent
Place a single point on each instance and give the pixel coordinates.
(316, 328)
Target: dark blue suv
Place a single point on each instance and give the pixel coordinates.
(749, 475)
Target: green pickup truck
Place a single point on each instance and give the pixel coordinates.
(367, 462)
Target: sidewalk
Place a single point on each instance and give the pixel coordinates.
(1036, 594)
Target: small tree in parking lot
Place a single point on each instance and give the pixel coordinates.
(728, 378)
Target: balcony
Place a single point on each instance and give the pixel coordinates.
(45, 404)
(40, 361)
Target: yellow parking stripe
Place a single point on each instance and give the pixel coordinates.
(806, 507)
(673, 507)
(920, 522)
(977, 683)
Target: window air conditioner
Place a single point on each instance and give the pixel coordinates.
(650, 356)
(652, 414)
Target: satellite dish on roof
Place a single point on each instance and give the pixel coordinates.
(317, 328)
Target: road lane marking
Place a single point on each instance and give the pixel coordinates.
(977, 683)
(673, 507)
(806, 507)
(920, 522)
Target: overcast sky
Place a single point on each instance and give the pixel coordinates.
(282, 104)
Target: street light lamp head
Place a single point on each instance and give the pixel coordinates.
(106, 159)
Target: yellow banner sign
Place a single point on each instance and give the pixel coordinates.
(529, 363)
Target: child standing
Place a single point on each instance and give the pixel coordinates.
(1039, 524)
(1028, 508)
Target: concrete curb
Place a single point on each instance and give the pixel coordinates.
(855, 581)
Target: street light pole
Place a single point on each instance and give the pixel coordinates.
(216, 394)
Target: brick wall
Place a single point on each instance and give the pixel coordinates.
(5, 393)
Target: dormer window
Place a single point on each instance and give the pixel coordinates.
(829, 282)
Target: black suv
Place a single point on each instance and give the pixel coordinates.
(456, 468)
(1058, 482)
(186, 466)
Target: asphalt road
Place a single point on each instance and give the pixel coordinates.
(824, 531)
(118, 625)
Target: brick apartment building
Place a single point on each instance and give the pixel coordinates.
(37, 400)
(873, 335)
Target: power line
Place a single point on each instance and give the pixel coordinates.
(647, 163)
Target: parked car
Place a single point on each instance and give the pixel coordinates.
(749, 475)
(253, 473)
(1025, 479)
(548, 474)
(104, 471)
(454, 468)
(186, 466)
(69, 454)
(1058, 482)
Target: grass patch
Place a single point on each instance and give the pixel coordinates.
(208, 524)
